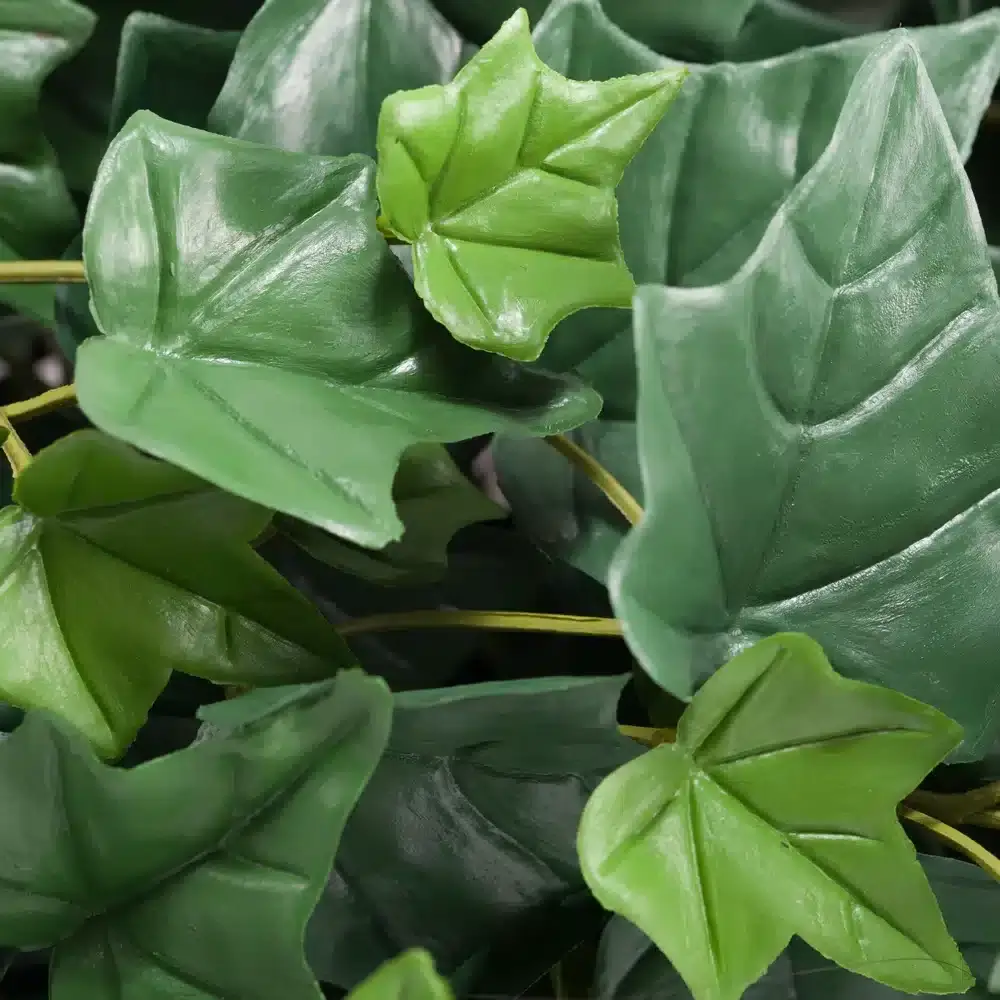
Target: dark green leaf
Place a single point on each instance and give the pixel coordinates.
(774, 814)
(261, 334)
(953, 10)
(696, 200)
(143, 878)
(777, 27)
(504, 181)
(118, 568)
(311, 75)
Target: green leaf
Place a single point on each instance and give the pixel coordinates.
(696, 200)
(557, 506)
(775, 814)
(465, 835)
(630, 966)
(433, 500)
(777, 27)
(504, 181)
(72, 319)
(142, 878)
(311, 75)
(838, 492)
(410, 976)
(117, 569)
(254, 315)
(954, 10)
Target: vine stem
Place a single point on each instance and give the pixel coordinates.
(13, 447)
(37, 406)
(962, 843)
(599, 476)
(41, 272)
(500, 621)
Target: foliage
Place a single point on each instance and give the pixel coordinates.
(700, 295)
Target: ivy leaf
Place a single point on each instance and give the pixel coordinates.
(495, 776)
(835, 493)
(128, 568)
(434, 501)
(253, 315)
(695, 202)
(504, 181)
(141, 878)
(311, 75)
(410, 976)
(775, 814)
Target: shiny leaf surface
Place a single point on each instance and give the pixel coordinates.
(465, 834)
(847, 489)
(410, 976)
(311, 75)
(142, 878)
(118, 569)
(433, 500)
(254, 316)
(504, 181)
(696, 200)
(774, 814)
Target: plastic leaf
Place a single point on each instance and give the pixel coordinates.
(775, 814)
(142, 878)
(410, 976)
(504, 182)
(254, 317)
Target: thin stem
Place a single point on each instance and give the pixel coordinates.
(958, 840)
(599, 476)
(13, 447)
(502, 621)
(647, 736)
(37, 406)
(959, 808)
(41, 272)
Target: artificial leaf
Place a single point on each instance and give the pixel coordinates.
(72, 319)
(118, 568)
(142, 878)
(838, 491)
(465, 835)
(433, 500)
(774, 814)
(311, 75)
(630, 966)
(503, 181)
(777, 27)
(410, 976)
(696, 200)
(954, 10)
(557, 506)
(254, 315)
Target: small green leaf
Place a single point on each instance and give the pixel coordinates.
(410, 976)
(142, 878)
(433, 500)
(775, 814)
(504, 182)
(261, 334)
(117, 569)
(311, 75)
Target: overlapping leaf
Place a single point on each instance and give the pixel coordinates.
(261, 334)
(776, 27)
(311, 75)
(815, 435)
(696, 200)
(142, 878)
(503, 181)
(775, 814)
(117, 569)
(410, 976)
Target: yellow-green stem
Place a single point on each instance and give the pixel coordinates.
(41, 272)
(502, 621)
(599, 476)
(13, 447)
(961, 842)
(37, 406)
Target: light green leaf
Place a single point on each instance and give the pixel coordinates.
(696, 200)
(117, 569)
(410, 976)
(504, 181)
(433, 500)
(774, 814)
(311, 75)
(839, 491)
(142, 878)
(261, 334)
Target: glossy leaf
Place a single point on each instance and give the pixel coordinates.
(410, 976)
(504, 181)
(311, 75)
(142, 878)
(73, 321)
(696, 200)
(117, 569)
(775, 814)
(433, 500)
(839, 491)
(254, 316)
(465, 835)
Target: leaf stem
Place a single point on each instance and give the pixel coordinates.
(501, 621)
(41, 272)
(13, 447)
(647, 736)
(37, 406)
(960, 808)
(962, 843)
(599, 476)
